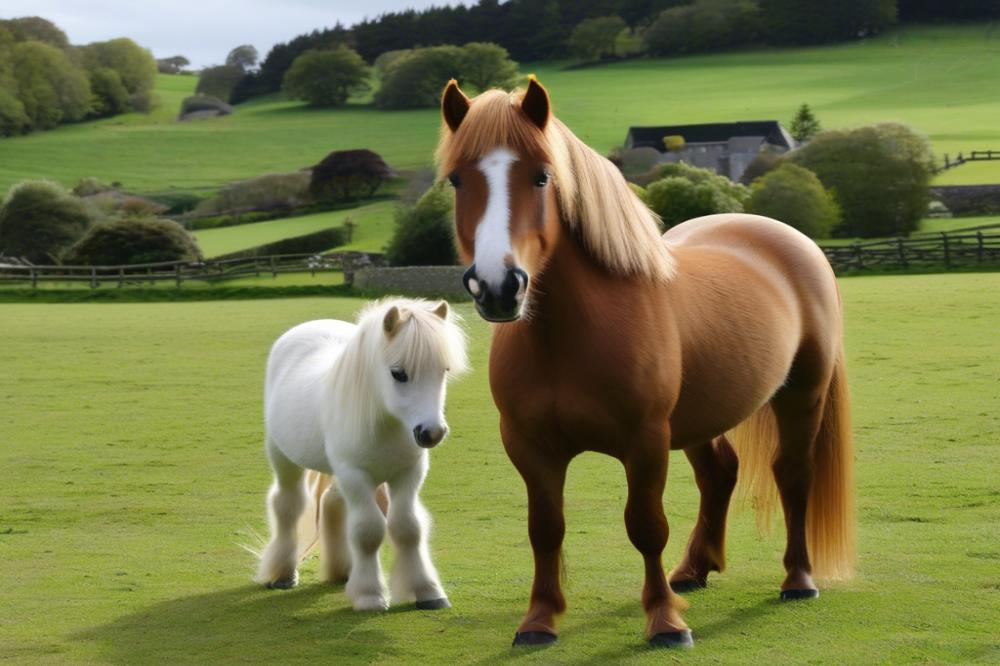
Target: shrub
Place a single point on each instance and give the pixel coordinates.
(326, 78)
(795, 196)
(271, 191)
(202, 103)
(138, 241)
(415, 79)
(110, 96)
(425, 232)
(880, 176)
(39, 219)
(595, 38)
(219, 81)
(684, 192)
(138, 207)
(345, 175)
(90, 186)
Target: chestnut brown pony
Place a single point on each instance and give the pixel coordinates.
(722, 338)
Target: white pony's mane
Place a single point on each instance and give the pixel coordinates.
(424, 341)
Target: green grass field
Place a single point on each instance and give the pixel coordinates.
(938, 79)
(130, 439)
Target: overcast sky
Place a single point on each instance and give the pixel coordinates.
(202, 30)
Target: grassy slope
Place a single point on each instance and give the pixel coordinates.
(134, 467)
(373, 231)
(939, 79)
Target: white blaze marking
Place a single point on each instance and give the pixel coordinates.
(493, 234)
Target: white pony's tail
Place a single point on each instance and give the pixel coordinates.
(308, 527)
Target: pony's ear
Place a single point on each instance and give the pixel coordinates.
(394, 319)
(535, 103)
(442, 310)
(454, 105)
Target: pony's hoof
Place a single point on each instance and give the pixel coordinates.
(434, 604)
(673, 639)
(533, 638)
(795, 595)
(284, 583)
(371, 602)
(689, 585)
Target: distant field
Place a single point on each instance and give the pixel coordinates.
(941, 80)
(373, 232)
(131, 439)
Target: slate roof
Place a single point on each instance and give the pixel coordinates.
(771, 130)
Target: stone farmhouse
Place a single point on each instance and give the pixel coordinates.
(726, 148)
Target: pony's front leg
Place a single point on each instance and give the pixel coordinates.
(413, 575)
(365, 532)
(544, 474)
(646, 471)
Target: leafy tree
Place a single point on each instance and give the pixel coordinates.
(705, 25)
(595, 38)
(487, 65)
(345, 175)
(424, 233)
(880, 176)
(35, 28)
(219, 81)
(244, 57)
(134, 241)
(13, 119)
(415, 80)
(49, 86)
(924, 10)
(685, 191)
(795, 196)
(804, 125)
(110, 95)
(134, 64)
(172, 65)
(817, 21)
(39, 219)
(327, 78)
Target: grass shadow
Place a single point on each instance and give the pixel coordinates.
(246, 623)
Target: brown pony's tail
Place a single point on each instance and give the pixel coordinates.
(830, 518)
(308, 525)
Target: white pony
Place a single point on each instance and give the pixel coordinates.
(362, 403)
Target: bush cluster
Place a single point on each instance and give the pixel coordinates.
(681, 192)
(134, 241)
(346, 175)
(795, 196)
(267, 192)
(424, 233)
(39, 220)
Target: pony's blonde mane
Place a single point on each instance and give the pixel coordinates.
(595, 201)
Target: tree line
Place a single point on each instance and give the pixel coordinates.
(532, 30)
(46, 81)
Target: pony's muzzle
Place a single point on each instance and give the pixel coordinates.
(429, 437)
(497, 303)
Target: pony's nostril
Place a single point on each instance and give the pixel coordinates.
(473, 286)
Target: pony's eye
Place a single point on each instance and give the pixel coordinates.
(399, 375)
(453, 179)
(542, 179)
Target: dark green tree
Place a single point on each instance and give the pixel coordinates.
(50, 87)
(486, 65)
(425, 232)
(219, 81)
(818, 21)
(804, 125)
(595, 38)
(244, 57)
(416, 80)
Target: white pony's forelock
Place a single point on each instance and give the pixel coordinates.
(423, 340)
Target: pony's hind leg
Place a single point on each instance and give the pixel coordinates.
(715, 467)
(798, 412)
(646, 471)
(335, 554)
(286, 501)
(413, 575)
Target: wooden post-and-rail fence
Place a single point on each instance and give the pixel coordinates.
(951, 250)
(179, 272)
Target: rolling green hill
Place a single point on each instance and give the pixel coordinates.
(939, 79)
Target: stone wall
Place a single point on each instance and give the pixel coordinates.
(433, 281)
(969, 199)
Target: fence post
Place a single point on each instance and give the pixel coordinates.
(121, 277)
(274, 271)
(93, 277)
(902, 252)
(34, 278)
(348, 267)
(858, 257)
(177, 272)
(979, 246)
(947, 252)
(256, 266)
